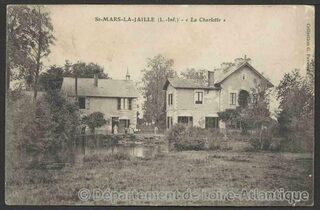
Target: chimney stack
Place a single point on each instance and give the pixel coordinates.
(210, 78)
(95, 80)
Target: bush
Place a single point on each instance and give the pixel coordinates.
(44, 133)
(194, 138)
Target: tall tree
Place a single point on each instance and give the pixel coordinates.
(84, 70)
(296, 118)
(30, 34)
(155, 74)
(51, 80)
(18, 43)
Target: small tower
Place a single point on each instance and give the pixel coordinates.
(127, 75)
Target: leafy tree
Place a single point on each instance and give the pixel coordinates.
(36, 31)
(65, 118)
(191, 73)
(94, 120)
(51, 80)
(43, 133)
(158, 70)
(228, 116)
(84, 70)
(18, 43)
(296, 117)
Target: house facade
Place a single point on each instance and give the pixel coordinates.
(197, 103)
(116, 99)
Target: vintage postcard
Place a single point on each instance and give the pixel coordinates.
(161, 105)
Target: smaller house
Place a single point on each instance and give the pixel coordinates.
(116, 99)
(197, 103)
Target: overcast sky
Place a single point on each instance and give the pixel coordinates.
(274, 37)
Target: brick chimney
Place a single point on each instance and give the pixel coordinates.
(95, 77)
(210, 78)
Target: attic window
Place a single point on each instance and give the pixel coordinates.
(243, 76)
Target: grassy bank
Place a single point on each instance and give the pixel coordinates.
(209, 170)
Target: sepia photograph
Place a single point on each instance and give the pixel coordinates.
(160, 105)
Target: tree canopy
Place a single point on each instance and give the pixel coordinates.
(30, 35)
(94, 120)
(155, 74)
(84, 70)
(191, 73)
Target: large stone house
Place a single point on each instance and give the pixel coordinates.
(116, 99)
(197, 103)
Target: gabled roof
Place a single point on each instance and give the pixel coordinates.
(187, 84)
(219, 75)
(106, 87)
(222, 75)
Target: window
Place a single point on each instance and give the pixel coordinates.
(119, 103)
(233, 98)
(199, 97)
(170, 99)
(169, 122)
(243, 76)
(130, 103)
(82, 102)
(124, 103)
(185, 120)
(212, 122)
(124, 100)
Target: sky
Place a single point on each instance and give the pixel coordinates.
(274, 37)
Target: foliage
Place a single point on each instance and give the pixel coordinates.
(51, 80)
(30, 27)
(94, 120)
(228, 115)
(266, 139)
(18, 43)
(44, 133)
(66, 119)
(194, 138)
(296, 116)
(84, 70)
(158, 70)
(191, 73)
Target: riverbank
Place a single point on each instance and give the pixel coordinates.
(190, 170)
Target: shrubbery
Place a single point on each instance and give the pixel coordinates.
(39, 131)
(193, 138)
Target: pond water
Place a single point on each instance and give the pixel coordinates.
(141, 151)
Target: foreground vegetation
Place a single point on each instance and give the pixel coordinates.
(230, 170)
